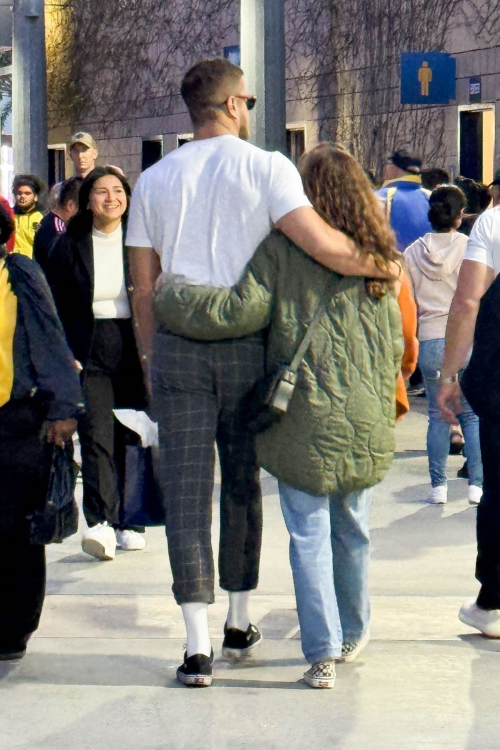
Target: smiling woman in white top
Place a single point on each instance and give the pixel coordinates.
(88, 276)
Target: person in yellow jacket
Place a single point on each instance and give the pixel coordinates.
(27, 215)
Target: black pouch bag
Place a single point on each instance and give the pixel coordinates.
(270, 397)
(58, 519)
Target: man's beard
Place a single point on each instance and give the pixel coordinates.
(26, 209)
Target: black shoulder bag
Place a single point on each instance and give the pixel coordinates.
(270, 397)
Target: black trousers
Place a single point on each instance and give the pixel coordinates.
(488, 518)
(197, 389)
(24, 466)
(112, 379)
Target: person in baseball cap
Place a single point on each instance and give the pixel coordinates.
(406, 203)
(83, 153)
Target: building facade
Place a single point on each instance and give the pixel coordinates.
(118, 77)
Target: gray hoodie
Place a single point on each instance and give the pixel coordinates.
(433, 264)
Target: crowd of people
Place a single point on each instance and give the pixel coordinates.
(246, 305)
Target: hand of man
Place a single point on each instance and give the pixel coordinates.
(450, 402)
(61, 430)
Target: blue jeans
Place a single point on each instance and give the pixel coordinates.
(329, 555)
(438, 433)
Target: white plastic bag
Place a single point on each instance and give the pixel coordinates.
(140, 423)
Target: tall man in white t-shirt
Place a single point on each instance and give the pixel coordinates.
(199, 214)
(480, 267)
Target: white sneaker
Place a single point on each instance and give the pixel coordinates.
(130, 540)
(438, 495)
(475, 494)
(485, 620)
(321, 675)
(100, 542)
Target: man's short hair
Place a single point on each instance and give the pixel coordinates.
(203, 83)
(431, 178)
(69, 191)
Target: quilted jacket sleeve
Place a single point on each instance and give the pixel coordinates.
(210, 314)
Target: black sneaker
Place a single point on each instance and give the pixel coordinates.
(196, 670)
(238, 644)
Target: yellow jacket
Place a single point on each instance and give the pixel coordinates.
(26, 226)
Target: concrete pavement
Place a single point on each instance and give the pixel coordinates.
(101, 671)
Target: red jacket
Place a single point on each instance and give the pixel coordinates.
(10, 243)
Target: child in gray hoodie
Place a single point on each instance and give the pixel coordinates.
(433, 264)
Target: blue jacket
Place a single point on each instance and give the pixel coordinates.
(407, 206)
(43, 361)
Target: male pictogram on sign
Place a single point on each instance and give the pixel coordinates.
(425, 78)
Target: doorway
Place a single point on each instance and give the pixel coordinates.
(57, 164)
(152, 151)
(477, 144)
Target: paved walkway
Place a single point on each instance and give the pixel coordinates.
(101, 671)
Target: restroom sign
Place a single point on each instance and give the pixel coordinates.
(475, 89)
(427, 78)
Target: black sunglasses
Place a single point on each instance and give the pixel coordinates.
(250, 101)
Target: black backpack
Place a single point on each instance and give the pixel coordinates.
(481, 379)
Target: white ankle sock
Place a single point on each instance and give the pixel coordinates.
(196, 619)
(237, 616)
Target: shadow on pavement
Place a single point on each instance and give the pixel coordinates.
(425, 529)
(120, 670)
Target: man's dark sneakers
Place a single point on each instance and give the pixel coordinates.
(196, 670)
(238, 644)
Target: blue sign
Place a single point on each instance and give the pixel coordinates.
(233, 54)
(428, 78)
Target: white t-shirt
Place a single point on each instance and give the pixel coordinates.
(484, 241)
(206, 207)
(110, 294)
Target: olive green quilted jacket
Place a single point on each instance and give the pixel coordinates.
(338, 435)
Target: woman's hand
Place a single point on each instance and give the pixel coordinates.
(78, 365)
(450, 402)
(60, 431)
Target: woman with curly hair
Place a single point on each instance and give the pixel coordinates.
(336, 440)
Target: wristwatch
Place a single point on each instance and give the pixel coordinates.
(450, 379)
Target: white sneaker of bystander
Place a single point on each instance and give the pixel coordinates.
(438, 495)
(100, 542)
(130, 540)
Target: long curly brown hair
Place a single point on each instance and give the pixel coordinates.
(340, 191)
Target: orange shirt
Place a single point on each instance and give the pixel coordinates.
(410, 357)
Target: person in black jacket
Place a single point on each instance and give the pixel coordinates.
(88, 275)
(54, 224)
(40, 399)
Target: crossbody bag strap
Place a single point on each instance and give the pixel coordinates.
(314, 324)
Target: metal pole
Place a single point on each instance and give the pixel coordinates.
(29, 95)
(263, 61)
